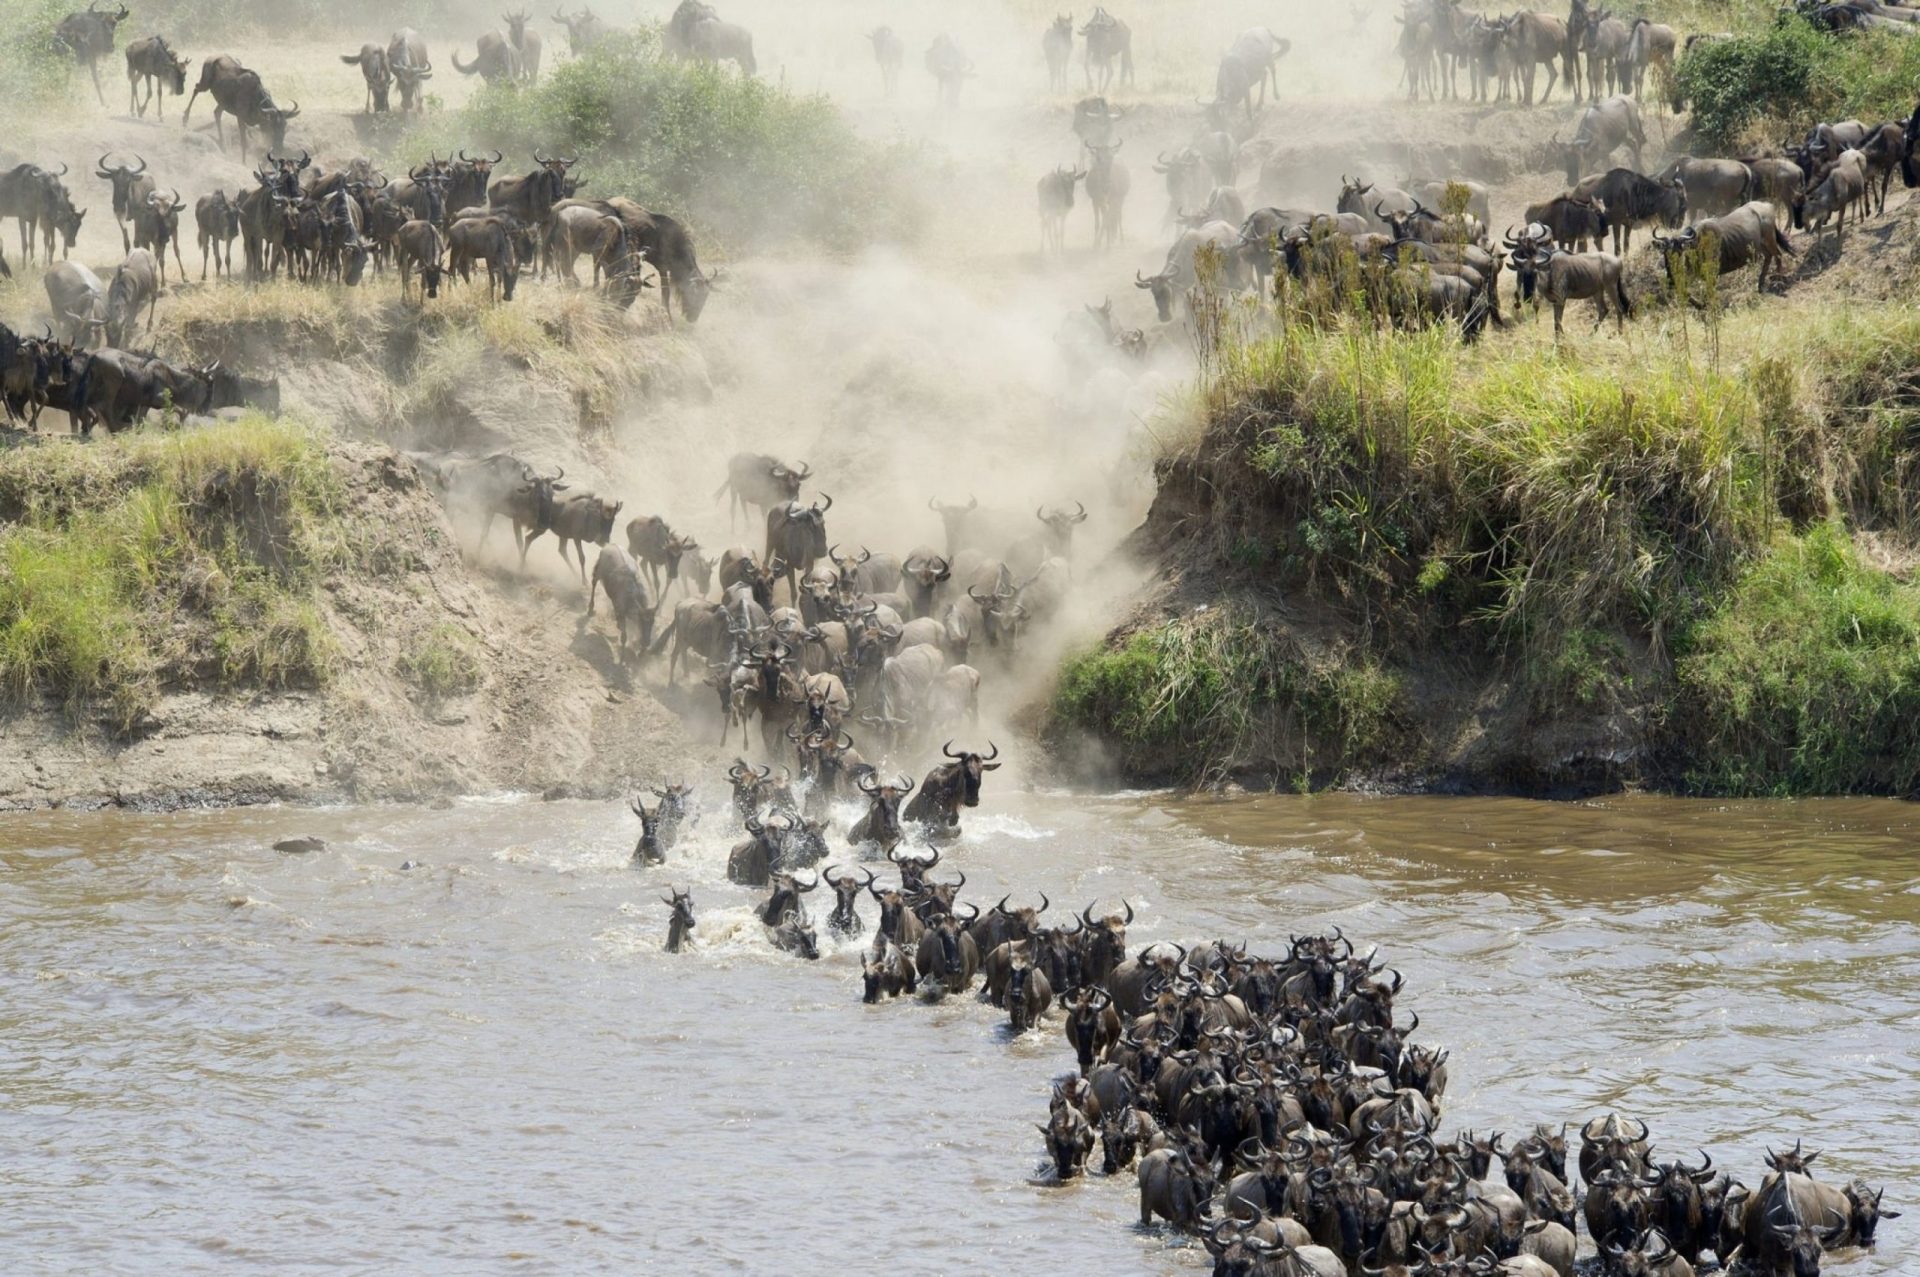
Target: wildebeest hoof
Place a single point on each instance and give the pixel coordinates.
(300, 845)
(409, 864)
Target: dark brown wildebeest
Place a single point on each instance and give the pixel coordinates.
(135, 285)
(156, 225)
(152, 66)
(680, 926)
(797, 536)
(1630, 200)
(494, 60)
(1714, 187)
(1574, 223)
(755, 479)
(420, 245)
(880, 827)
(529, 199)
(89, 37)
(668, 248)
(1562, 277)
(886, 970)
(372, 61)
(951, 786)
(616, 572)
(238, 92)
(407, 60)
(217, 221)
(1109, 40)
(845, 918)
(131, 186)
(579, 518)
(486, 239)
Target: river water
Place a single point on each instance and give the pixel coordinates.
(215, 1057)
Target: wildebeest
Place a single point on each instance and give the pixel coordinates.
(372, 61)
(410, 66)
(131, 186)
(1259, 50)
(668, 248)
(79, 302)
(1572, 221)
(950, 69)
(950, 786)
(584, 30)
(581, 229)
(217, 223)
(89, 37)
(238, 92)
(1109, 40)
(947, 958)
(419, 245)
(880, 826)
(1789, 1221)
(494, 60)
(1713, 187)
(1056, 46)
(1604, 127)
(1180, 274)
(616, 572)
(1056, 201)
(1843, 186)
(154, 67)
(1176, 1186)
(754, 479)
(1746, 234)
(526, 44)
(487, 239)
(797, 536)
(1631, 200)
(1107, 186)
(886, 970)
(156, 225)
(580, 517)
(890, 51)
(680, 925)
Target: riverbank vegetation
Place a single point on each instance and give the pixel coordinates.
(1617, 529)
(163, 556)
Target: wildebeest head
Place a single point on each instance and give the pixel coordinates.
(883, 810)
(680, 924)
(122, 179)
(783, 899)
(893, 909)
(973, 769)
(1119, 1139)
(1103, 945)
(914, 870)
(797, 936)
(954, 518)
(1867, 1211)
(1161, 286)
(845, 919)
(1060, 525)
(875, 966)
(1069, 1140)
(648, 849)
(1622, 1208)
(1019, 981)
(1792, 1161)
(748, 786)
(1612, 1141)
(1801, 1241)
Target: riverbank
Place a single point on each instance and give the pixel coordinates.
(1677, 559)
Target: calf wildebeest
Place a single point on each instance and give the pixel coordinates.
(131, 186)
(886, 970)
(372, 61)
(1747, 233)
(890, 51)
(1107, 186)
(494, 60)
(1843, 186)
(616, 572)
(680, 926)
(1604, 127)
(79, 302)
(410, 66)
(154, 67)
(1631, 200)
(1056, 201)
(579, 517)
(420, 245)
(217, 222)
(1056, 46)
(156, 224)
(949, 68)
(667, 247)
(487, 239)
(526, 44)
(582, 229)
(950, 786)
(89, 37)
(1109, 40)
(584, 30)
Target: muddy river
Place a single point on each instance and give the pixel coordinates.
(451, 1043)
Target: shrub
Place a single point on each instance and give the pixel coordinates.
(743, 159)
(444, 662)
(38, 67)
(1806, 677)
(1791, 76)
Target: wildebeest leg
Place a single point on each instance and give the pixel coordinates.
(182, 266)
(94, 67)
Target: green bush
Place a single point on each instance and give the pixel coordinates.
(1791, 76)
(1805, 679)
(443, 663)
(741, 158)
(38, 68)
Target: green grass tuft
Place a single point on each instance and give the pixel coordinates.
(443, 663)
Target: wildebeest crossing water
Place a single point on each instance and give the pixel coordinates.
(498, 1046)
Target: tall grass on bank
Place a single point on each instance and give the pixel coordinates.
(38, 69)
(1805, 678)
(743, 158)
(154, 556)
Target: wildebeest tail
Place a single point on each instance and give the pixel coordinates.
(1787, 245)
(661, 640)
(721, 491)
(1620, 294)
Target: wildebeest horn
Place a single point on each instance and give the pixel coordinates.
(1641, 1138)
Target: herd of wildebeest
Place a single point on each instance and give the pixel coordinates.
(1276, 1107)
